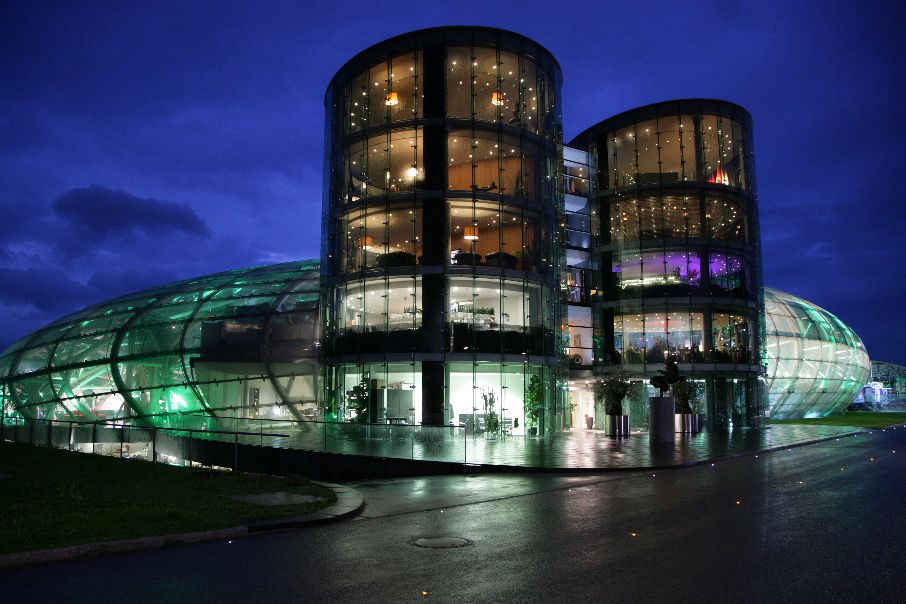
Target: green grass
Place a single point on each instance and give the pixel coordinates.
(55, 498)
(861, 419)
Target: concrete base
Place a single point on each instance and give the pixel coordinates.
(660, 419)
(686, 423)
(617, 426)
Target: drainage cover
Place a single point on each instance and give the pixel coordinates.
(441, 542)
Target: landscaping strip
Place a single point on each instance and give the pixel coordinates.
(348, 503)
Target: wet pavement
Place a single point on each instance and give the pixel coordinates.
(822, 522)
(575, 449)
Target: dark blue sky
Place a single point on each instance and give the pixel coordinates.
(146, 142)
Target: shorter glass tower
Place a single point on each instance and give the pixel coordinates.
(677, 248)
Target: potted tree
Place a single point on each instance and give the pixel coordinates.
(661, 422)
(686, 393)
(534, 399)
(491, 420)
(357, 401)
(612, 391)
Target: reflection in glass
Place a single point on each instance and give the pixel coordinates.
(729, 275)
(730, 338)
(659, 272)
(653, 337)
(643, 217)
(384, 164)
(382, 237)
(388, 92)
(490, 234)
(487, 163)
(727, 218)
(490, 85)
(676, 148)
(381, 305)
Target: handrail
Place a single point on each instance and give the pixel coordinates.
(64, 422)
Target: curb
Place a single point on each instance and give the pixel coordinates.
(349, 502)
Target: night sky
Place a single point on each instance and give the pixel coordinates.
(142, 143)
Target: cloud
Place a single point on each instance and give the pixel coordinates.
(45, 290)
(107, 213)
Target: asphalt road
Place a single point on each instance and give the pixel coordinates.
(823, 523)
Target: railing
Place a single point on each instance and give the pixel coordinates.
(176, 442)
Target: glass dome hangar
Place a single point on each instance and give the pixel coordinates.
(245, 343)
(239, 343)
(816, 364)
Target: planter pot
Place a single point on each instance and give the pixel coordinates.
(686, 423)
(617, 426)
(533, 431)
(589, 422)
(660, 419)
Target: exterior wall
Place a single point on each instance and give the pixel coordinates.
(237, 344)
(440, 269)
(579, 284)
(816, 364)
(678, 250)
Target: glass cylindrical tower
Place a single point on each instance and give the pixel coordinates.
(679, 249)
(440, 258)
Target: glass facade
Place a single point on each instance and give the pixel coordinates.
(677, 247)
(239, 344)
(817, 365)
(441, 252)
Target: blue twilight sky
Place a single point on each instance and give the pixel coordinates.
(143, 142)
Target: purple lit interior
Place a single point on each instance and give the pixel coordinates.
(724, 264)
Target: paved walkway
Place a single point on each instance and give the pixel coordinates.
(590, 449)
(574, 450)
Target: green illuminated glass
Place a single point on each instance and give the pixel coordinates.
(219, 345)
(816, 363)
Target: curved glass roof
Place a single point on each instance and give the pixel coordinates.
(243, 342)
(816, 363)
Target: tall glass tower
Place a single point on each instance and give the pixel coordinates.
(440, 259)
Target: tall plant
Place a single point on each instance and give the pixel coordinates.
(534, 398)
(667, 377)
(357, 400)
(612, 391)
(492, 421)
(686, 392)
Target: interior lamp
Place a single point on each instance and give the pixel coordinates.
(392, 99)
(471, 233)
(365, 242)
(496, 98)
(412, 172)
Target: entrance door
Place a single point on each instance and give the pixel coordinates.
(581, 402)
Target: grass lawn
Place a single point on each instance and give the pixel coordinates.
(54, 498)
(862, 419)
